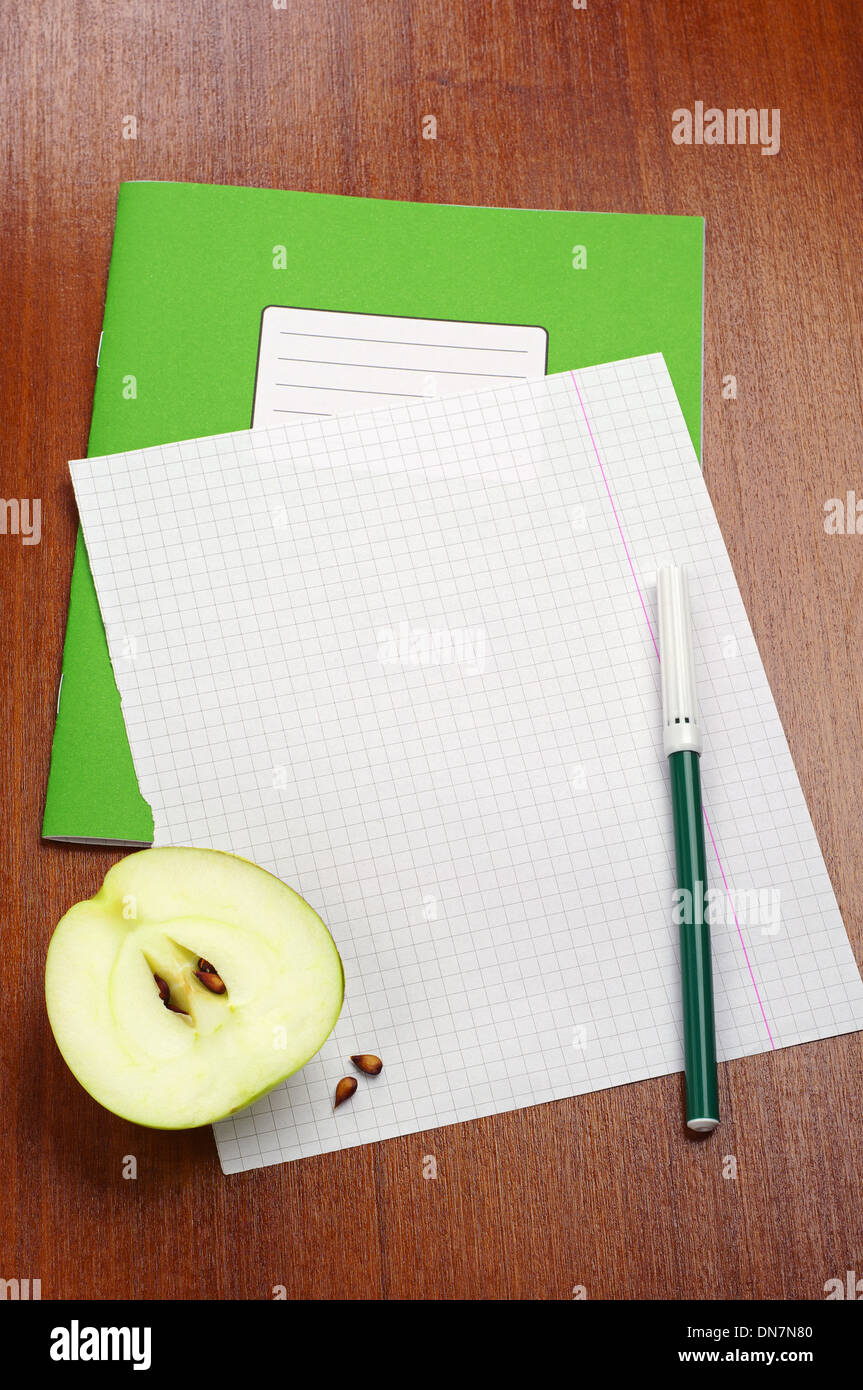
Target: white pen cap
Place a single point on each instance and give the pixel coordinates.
(681, 729)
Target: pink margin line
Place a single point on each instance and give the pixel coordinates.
(656, 649)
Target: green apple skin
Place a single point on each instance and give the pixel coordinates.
(157, 913)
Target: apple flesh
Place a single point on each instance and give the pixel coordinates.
(133, 977)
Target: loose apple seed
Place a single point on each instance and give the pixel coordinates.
(369, 1063)
(345, 1090)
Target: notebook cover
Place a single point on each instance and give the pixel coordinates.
(192, 269)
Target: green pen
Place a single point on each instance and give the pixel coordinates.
(682, 743)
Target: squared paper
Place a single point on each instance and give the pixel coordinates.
(313, 363)
(406, 661)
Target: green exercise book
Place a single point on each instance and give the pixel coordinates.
(231, 307)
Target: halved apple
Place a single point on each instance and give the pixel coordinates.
(191, 984)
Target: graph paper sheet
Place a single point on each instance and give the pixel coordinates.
(407, 662)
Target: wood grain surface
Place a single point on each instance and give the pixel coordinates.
(538, 105)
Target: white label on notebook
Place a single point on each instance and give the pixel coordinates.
(314, 363)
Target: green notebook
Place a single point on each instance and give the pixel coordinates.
(232, 306)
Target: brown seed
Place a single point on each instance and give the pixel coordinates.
(369, 1063)
(208, 977)
(165, 996)
(345, 1090)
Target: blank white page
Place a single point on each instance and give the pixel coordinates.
(407, 662)
(318, 362)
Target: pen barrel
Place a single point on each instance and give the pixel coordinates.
(699, 1030)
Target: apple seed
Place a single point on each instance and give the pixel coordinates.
(165, 996)
(208, 977)
(345, 1090)
(369, 1063)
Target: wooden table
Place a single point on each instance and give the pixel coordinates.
(538, 104)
